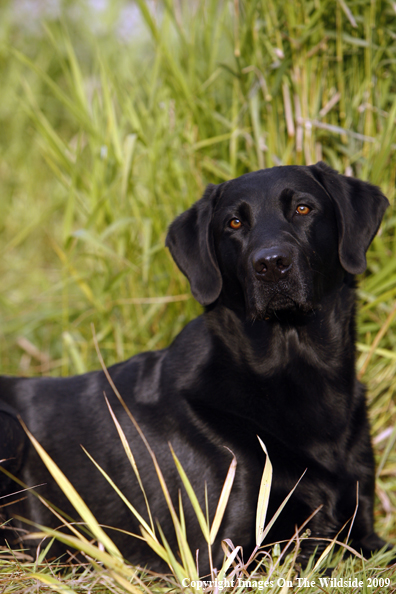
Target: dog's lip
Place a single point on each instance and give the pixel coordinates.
(281, 301)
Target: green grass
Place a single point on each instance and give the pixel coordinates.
(104, 142)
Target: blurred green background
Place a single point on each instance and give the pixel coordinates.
(113, 117)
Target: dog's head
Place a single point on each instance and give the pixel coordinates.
(276, 239)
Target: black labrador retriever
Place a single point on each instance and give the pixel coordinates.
(272, 256)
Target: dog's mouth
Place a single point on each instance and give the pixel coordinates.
(280, 304)
(284, 309)
(289, 297)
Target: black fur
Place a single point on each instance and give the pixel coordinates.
(273, 355)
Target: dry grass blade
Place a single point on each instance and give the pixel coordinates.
(328, 550)
(132, 461)
(192, 496)
(264, 495)
(223, 500)
(381, 333)
(94, 552)
(187, 570)
(184, 549)
(323, 556)
(140, 519)
(64, 523)
(74, 497)
(157, 547)
(53, 583)
(126, 584)
(280, 508)
(230, 559)
(389, 448)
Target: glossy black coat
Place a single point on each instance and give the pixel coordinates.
(273, 355)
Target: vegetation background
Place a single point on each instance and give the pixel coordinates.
(113, 117)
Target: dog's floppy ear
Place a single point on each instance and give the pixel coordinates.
(359, 208)
(190, 242)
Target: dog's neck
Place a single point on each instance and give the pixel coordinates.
(325, 336)
(308, 365)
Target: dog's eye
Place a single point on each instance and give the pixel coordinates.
(302, 209)
(235, 223)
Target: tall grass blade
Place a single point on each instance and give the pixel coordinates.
(279, 510)
(74, 497)
(263, 498)
(94, 552)
(129, 505)
(223, 501)
(192, 496)
(230, 559)
(132, 461)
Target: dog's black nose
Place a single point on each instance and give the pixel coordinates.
(272, 264)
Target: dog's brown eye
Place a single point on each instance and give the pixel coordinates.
(302, 209)
(235, 223)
